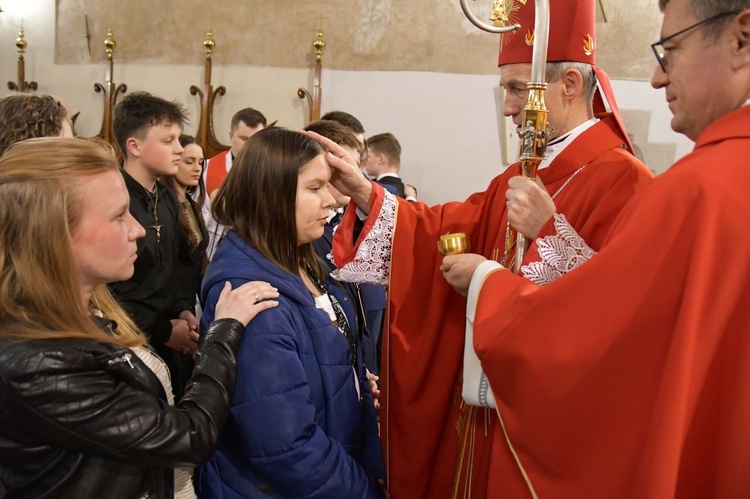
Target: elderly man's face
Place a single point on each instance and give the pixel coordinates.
(514, 78)
(699, 81)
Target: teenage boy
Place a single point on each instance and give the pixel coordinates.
(147, 129)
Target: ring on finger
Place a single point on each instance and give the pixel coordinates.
(257, 297)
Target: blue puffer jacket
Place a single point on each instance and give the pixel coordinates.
(297, 427)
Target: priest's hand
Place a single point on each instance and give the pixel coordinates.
(458, 270)
(529, 205)
(345, 174)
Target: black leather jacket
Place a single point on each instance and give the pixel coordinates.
(83, 418)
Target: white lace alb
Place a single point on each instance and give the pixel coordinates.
(560, 253)
(372, 262)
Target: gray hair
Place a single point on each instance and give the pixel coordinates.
(555, 71)
(702, 9)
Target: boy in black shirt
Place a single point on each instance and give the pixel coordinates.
(147, 129)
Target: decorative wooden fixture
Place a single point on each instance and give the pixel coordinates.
(206, 136)
(22, 85)
(110, 93)
(313, 101)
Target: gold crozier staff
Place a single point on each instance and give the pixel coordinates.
(535, 130)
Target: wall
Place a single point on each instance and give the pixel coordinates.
(383, 35)
(447, 123)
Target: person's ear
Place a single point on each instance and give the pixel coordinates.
(133, 146)
(740, 29)
(572, 83)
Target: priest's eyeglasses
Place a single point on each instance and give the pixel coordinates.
(661, 53)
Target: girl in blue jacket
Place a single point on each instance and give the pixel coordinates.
(303, 422)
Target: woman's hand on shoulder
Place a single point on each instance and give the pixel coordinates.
(245, 302)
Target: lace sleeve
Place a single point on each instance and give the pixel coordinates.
(560, 254)
(372, 263)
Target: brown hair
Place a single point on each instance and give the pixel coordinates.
(340, 134)
(386, 144)
(138, 112)
(25, 116)
(249, 116)
(259, 196)
(40, 205)
(170, 181)
(345, 119)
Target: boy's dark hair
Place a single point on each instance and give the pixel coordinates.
(139, 111)
(249, 116)
(345, 119)
(340, 134)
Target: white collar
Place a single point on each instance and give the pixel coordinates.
(333, 212)
(560, 143)
(387, 174)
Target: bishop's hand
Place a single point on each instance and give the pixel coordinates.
(529, 205)
(345, 174)
(459, 269)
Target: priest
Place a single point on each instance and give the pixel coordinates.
(438, 440)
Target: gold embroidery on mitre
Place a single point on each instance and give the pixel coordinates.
(530, 38)
(588, 44)
(499, 15)
(505, 13)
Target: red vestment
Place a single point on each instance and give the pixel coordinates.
(216, 171)
(629, 376)
(425, 427)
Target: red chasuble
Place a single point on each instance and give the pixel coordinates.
(630, 376)
(216, 171)
(434, 445)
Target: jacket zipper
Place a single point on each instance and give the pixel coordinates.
(120, 360)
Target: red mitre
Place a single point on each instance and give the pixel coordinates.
(572, 37)
(572, 31)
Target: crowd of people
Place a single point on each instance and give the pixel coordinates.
(276, 321)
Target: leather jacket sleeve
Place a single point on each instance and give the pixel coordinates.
(100, 401)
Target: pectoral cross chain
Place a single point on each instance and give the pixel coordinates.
(156, 225)
(157, 228)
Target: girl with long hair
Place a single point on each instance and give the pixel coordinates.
(193, 240)
(303, 420)
(81, 412)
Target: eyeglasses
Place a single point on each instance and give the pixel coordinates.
(658, 47)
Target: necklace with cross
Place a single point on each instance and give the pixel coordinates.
(156, 226)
